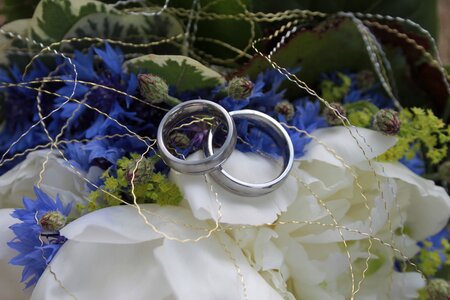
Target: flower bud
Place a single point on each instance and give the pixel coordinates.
(438, 289)
(387, 122)
(52, 221)
(143, 171)
(331, 115)
(365, 80)
(444, 171)
(286, 109)
(155, 90)
(240, 88)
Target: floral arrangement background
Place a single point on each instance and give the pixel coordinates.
(89, 211)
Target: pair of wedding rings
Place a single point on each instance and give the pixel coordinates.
(215, 158)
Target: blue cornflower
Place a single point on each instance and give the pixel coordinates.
(107, 72)
(415, 164)
(267, 93)
(35, 244)
(16, 119)
(361, 89)
(102, 153)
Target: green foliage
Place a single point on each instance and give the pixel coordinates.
(422, 12)
(325, 48)
(420, 129)
(235, 32)
(332, 92)
(53, 18)
(181, 71)
(360, 113)
(15, 9)
(429, 259)
(127, 28)
(149, 187)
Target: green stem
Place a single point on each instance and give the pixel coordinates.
(172, 101)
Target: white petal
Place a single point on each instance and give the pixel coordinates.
(210, 269)
(124, 225)
(428, 209)
(10, 286)
(103, 271)
(406, 285)
(237, 209)
(6, 234)
(353, 149)
(58, 179)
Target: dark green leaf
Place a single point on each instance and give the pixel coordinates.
(180, 71)
(53, 18)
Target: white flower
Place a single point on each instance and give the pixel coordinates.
(114, 254)
(235, 209)
(10, 285)
(58, 179)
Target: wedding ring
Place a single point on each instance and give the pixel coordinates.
(280, 137)
(188, 110)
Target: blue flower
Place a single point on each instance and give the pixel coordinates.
(36, 248)
(370, 90)
(108, 72)
(19, 111)
(267, 93)
(416, 164)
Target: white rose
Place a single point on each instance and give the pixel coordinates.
(113, 254)
(306, 252)
(116, 248)
(58, 179)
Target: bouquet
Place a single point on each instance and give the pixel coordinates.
(223, 150)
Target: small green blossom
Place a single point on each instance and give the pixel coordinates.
(420, 129)
(332, 92)
(360, 114)
(149, 186)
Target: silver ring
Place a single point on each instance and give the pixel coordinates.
(281, 138)
(191, 109)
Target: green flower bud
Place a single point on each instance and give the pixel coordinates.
(286, 109)
(438, 289)
(179, 139)
(444, 171)
(387, 121)
(155, 90)
(331, 116)
(143, 172)
(52, 221)
(240, 88)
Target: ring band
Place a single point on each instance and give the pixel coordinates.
(281, 138)
(187, 110)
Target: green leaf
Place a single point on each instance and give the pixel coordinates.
(325, 48)
(235, 32)
(183, 72)
(422, 12)
(14, 9)
(18, 27)
(53, 18)
(126, 28)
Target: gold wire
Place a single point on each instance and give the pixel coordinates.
(292, 17)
